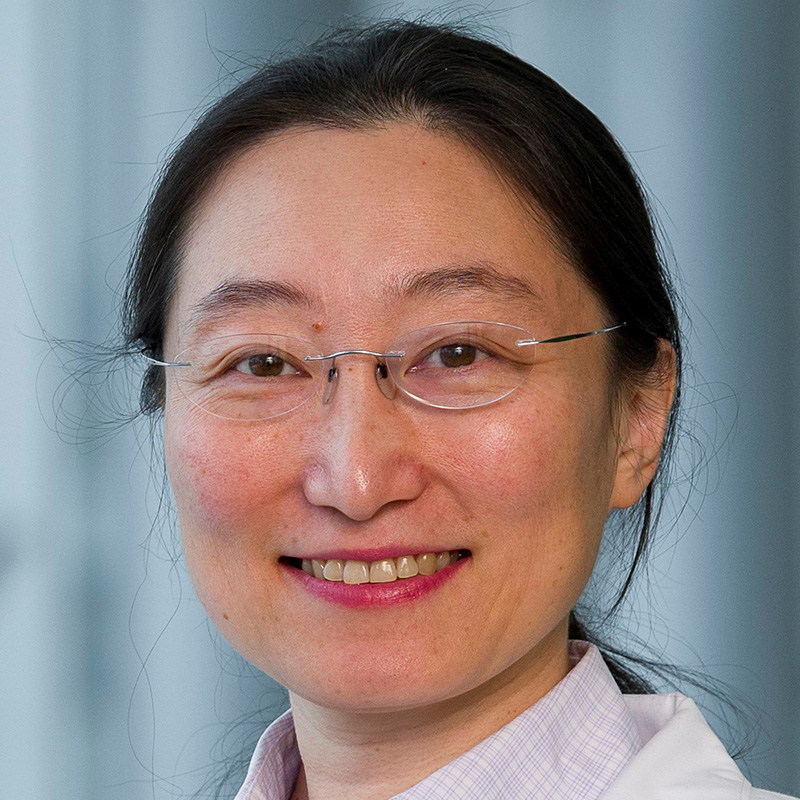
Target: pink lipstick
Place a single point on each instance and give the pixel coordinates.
(371, 595)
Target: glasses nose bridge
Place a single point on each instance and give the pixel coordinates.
(330, 374)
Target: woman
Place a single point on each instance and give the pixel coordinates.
(415, 350)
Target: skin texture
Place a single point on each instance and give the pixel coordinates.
(384, 696)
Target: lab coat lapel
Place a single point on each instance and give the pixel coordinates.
(682, 758)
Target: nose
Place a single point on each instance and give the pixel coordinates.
(367, 454)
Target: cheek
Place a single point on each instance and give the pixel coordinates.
(207, 482)
(539, 480)
(517, 458)
(505, 461)
(233, 497)
(228, 492)
(218, 480)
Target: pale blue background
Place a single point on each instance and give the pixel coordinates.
(704, 95)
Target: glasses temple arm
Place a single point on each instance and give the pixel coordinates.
(570, 336)
(156, 363)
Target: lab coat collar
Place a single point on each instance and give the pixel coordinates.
(682, 758)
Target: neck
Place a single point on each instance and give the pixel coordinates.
(377, 754)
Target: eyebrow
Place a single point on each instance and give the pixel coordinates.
(447, 281)
(456, 278)
(236, 295)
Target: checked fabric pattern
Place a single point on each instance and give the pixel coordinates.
(572, 743)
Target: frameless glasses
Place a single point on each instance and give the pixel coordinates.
(452, 365)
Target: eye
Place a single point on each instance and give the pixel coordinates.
(456, 355)
(265, 365)
(452, 356)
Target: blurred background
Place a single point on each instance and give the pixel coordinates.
(112, 684)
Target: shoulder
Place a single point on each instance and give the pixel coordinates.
(681, 757)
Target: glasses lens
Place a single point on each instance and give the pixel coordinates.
(463, 364)
(247, 377)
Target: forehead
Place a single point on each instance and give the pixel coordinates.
(340, 222)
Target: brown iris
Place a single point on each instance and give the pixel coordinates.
(265, 365)
(457, 355)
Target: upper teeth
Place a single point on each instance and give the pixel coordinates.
(385, 570)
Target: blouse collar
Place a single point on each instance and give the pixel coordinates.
(571, 743)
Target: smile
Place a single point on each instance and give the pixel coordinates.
(385, 570)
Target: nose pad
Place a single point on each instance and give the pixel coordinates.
(385, 382)
(330, 384)
(384, 379)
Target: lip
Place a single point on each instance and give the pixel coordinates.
(372, 554)
(374, 595)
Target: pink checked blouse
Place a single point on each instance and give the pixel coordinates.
(572, 743)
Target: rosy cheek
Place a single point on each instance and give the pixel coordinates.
(507, 457)
(218, 478)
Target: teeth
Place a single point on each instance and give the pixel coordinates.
(317, 566)
(382, 571)
(427, 563)
(386, 570)
(333, 570)
(356, 572)
(407, 567)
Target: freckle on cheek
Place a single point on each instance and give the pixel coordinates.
(211, 481)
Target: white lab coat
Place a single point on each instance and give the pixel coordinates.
(682, 758)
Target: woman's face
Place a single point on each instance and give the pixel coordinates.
(344, 239)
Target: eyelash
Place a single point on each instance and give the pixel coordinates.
(287, 362)
(235, 364)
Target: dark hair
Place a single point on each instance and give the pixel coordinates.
(550, 149)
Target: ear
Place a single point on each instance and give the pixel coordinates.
(643, 423)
